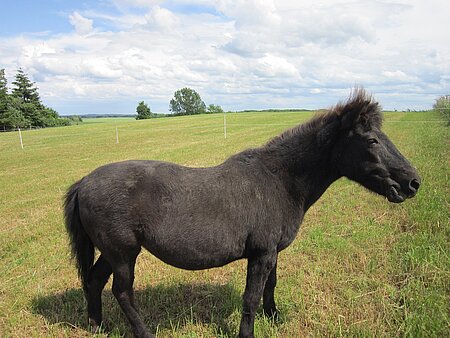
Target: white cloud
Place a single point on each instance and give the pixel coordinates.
(242, 54)
(250, 12)
(126, 4)
(81, 24)
(398, 76)
(275, 66)
(161, 18)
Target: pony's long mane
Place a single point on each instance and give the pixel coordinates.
(360, 103)
(311, 126)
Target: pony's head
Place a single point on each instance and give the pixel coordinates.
(363, 153)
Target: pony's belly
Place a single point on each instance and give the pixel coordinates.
(195, 252)
(186, 259)
(194, 263)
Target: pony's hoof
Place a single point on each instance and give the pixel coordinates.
(272, 314)
(94, 326)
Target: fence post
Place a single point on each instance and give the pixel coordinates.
(225, 124)
(20, 138)
(117, 136)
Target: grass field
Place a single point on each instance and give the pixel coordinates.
(360, 266)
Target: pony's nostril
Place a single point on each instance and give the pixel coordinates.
(414, 184)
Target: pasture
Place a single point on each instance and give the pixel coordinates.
(360, 266)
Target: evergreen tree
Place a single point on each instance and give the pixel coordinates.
(13, 117)
(3, 98)
(143, 111)
(3, 92)
(23, 107)
(187, 101)
(25, 89)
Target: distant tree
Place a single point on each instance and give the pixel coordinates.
(3, 99)
(442, 105)
(13, 117)
(50, 118)
(75, 118)
(214, 109)
(23, 107)
(3, 92)
(143, 111)
(32, 112)
(187, 101)
(25, 98)
(25, 89)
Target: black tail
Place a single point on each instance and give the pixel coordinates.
(82, 246)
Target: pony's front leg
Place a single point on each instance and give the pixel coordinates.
(258, 270)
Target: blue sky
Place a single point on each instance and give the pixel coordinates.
(106, 56)
(28, 16)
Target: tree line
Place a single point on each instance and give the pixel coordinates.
(185, 101)
(22, 106)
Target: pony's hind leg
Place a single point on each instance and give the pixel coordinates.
(98, 277)
(269, 307)
(122, 288)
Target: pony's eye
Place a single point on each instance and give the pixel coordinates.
(372, 141)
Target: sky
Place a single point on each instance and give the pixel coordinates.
(106, 56)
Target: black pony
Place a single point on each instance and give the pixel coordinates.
(250, 206)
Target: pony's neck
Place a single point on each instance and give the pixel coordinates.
(302, 157)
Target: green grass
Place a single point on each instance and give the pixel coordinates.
(359, 266)
(107, 120)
